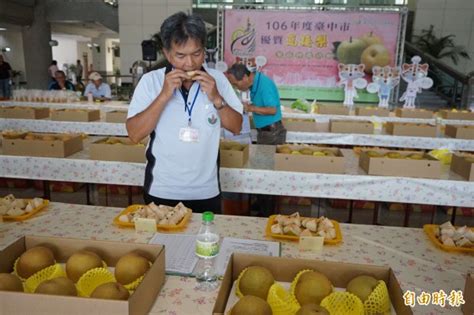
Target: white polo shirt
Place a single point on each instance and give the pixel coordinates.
(175, 169)
(102, 91)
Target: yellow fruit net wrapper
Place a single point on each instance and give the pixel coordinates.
(93, 278)
(48, 273)
(132, 286)
(343, 303)
(281, 301)
(378, 301)
(443, 155)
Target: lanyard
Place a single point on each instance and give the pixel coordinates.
(189, 109)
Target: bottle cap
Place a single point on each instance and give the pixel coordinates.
(208, 216)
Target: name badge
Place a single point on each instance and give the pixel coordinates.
(188, 134)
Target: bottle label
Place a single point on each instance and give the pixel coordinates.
(207, 249)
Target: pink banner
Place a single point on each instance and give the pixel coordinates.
(303, 48)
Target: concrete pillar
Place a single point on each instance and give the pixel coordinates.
(37, 51)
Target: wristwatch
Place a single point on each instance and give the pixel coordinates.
(221, 106)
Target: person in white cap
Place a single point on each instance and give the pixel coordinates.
(100, 90)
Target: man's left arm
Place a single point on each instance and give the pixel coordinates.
(231, 119)
(272, 102)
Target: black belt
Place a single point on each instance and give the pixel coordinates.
(272, 127)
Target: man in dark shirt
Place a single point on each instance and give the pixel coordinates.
(5, 75)
(61, 83)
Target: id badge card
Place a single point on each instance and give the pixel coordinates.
(189, 134)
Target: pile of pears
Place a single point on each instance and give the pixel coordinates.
(309, 289)
(230, 145)
(124, 141)
(285, 149)
(128, 269)
(396, 155)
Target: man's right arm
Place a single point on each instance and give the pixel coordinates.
(142, 124)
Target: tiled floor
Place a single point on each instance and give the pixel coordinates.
(317, 208)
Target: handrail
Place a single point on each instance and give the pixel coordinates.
(411, 49)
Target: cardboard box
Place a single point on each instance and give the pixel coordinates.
(410, 129)
(44, 148)
(231, 157)
(414, 113)
(460, 165)
(459, 132)
(428, 167)
(140, 302)
(352, 126)
(285, 269)
(116, 116)
(302, 125)
(24, 112)
(372, 111)
(309, 163)
(333, 110)
(75, 115)
(456, 115)
(118, 149)
(468, 294)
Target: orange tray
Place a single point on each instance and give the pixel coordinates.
(27, 215)
(166, 227)
(430, 230)
(271, 221)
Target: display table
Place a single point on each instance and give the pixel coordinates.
(118, 129)
(258, 177)
(417, 263)
(106, 106)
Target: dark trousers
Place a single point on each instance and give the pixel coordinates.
(272, 134)
(199, 206)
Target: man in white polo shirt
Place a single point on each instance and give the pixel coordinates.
(182, 108)
(100, 90)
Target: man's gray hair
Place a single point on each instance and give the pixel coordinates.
(180, 27)
(238, 70)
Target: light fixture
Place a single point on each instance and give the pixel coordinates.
(6, 49)
(95, 45)
(3, 29)
(89, 45)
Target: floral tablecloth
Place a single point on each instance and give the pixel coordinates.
(118, 129)
(46, 125)
(391, 118)
(259, 177)
(106, 106)
(417, 263)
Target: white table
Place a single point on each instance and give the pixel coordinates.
(259, 177)
(418, 265)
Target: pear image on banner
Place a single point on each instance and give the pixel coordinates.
(368, 49)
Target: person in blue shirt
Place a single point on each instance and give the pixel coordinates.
(61, 83)
(100, 90)
(264, 103)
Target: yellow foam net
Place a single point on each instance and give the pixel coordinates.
(343, 303)
(443, 155)
(93, 278)
(378, 301)
(48, 273)
(281, 301)
(237, 282)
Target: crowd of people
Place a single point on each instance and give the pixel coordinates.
(58, 81)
